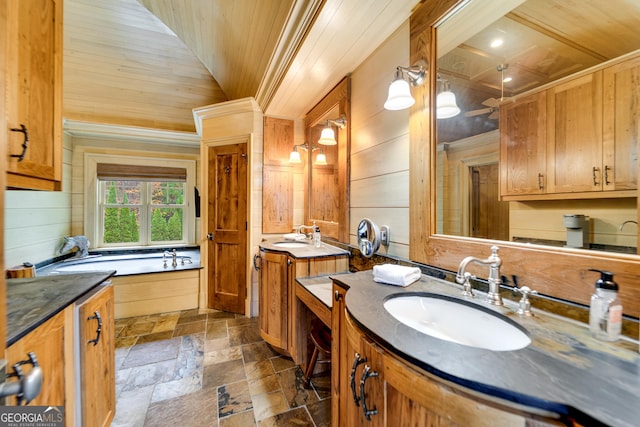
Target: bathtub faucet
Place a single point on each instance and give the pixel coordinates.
(174, 258)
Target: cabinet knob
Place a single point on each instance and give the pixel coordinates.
(337, 296)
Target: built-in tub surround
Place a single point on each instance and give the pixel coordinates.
(563, 370)
(145, 281)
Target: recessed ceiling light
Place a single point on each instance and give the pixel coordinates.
(496, 43)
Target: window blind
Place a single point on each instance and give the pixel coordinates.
(112, 171)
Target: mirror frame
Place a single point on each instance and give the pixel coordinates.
(339, 96)
(556, 272)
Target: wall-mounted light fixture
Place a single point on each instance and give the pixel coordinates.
(328, 136)
(399, 96)
(294, 156)
(446, 106)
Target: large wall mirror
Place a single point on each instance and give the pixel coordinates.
(327, 192)
(492, 56)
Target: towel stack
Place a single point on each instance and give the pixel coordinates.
(398, 275)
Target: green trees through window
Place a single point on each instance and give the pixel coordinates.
(142, 212)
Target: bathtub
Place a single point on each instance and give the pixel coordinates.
(142, 283)
(125, 264)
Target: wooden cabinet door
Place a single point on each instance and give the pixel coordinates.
(621, 124)
(272, 297)
(97, 358)
(47, 341)
(277, 176)
(523, 146)
(357, 356)
(34, 94)
(574, 120)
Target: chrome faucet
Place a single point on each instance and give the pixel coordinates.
(310, 227)
(174, 258)
(494, 262)
(627, 222)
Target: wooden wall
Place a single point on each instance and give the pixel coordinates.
(380, 146)
(36, 221)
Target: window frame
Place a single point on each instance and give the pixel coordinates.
(93, 218)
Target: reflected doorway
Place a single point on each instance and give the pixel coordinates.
(489, 217)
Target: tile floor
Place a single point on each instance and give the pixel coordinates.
(209, 368)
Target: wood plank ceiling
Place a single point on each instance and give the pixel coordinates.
(124, 66)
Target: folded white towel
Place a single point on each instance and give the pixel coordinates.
(398, 275)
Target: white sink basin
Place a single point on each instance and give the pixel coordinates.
(290, 245)
(457, 321)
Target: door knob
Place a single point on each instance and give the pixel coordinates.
(210, 236)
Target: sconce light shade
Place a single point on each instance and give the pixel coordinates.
(446, 106)
(321, 159)
(399, 96)
(294, 157)
(328, 136)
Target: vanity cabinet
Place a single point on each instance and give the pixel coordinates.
(50, 342)
(399, 393)
(273, 293)
(576, 139)
(34, 94)
(278, 272)
(96, 345)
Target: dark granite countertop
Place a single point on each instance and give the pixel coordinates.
(564, 370)
(305, 249)
(32, 301)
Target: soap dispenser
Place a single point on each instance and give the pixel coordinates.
(317, 241)
(605, 311)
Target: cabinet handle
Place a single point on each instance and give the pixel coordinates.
(356, 361)
(337, 296)
(595, 178)
(606, 174)
(255, 262)
(366, 374)
(25, 142)
(540, 181)
(96, 316)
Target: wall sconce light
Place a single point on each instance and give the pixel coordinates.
(446, 106)
(399, 96)
(328, 136)
(294, 156)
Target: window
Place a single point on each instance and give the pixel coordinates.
(134, 201)
(142, 212)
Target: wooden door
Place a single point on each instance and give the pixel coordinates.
(227, 227)
(574, 120)
(34, 94)
(273, 299)
(489, 216)
(621, 126)
(97, 361)
(523, 145)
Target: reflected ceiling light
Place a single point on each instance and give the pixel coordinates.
(507, 79)
(446, 105)
(328, 135)
(496, 43)
(399, 96)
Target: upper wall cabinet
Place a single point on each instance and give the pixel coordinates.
(582, 144)
(34, 94)
(277, 175)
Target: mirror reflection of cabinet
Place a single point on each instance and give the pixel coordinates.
(327, 188)
(277, 176)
